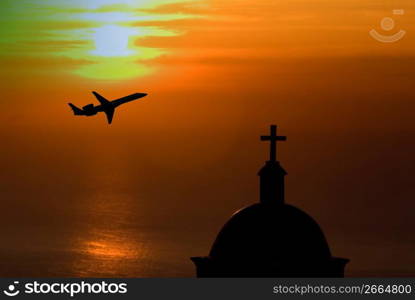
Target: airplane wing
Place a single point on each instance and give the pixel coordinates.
(110, 114)
(101, 99)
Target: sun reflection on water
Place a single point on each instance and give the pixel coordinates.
(106, 253)
(112, 249)
(110, 242)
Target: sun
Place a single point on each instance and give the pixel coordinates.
(113, 40)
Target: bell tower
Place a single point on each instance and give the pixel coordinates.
(271, 175)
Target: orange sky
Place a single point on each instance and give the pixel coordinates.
(217, 73)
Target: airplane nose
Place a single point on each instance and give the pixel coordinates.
(139, 95)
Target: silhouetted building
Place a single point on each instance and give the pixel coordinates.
(270, 238)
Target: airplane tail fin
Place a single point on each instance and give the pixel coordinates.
(76, 110)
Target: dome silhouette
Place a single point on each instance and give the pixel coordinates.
(270, 238)
(271, 232)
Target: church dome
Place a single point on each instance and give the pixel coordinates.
(270, 238)
(271, 233)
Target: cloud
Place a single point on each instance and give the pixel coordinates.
(82, 30)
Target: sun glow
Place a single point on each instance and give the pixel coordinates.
(103, 35)
(113, 40)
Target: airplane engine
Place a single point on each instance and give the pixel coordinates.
(89, 109)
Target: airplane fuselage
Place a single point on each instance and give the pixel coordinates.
(91, 109)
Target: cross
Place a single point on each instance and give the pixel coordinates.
(273, 138)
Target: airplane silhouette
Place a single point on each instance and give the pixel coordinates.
(108, 107)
